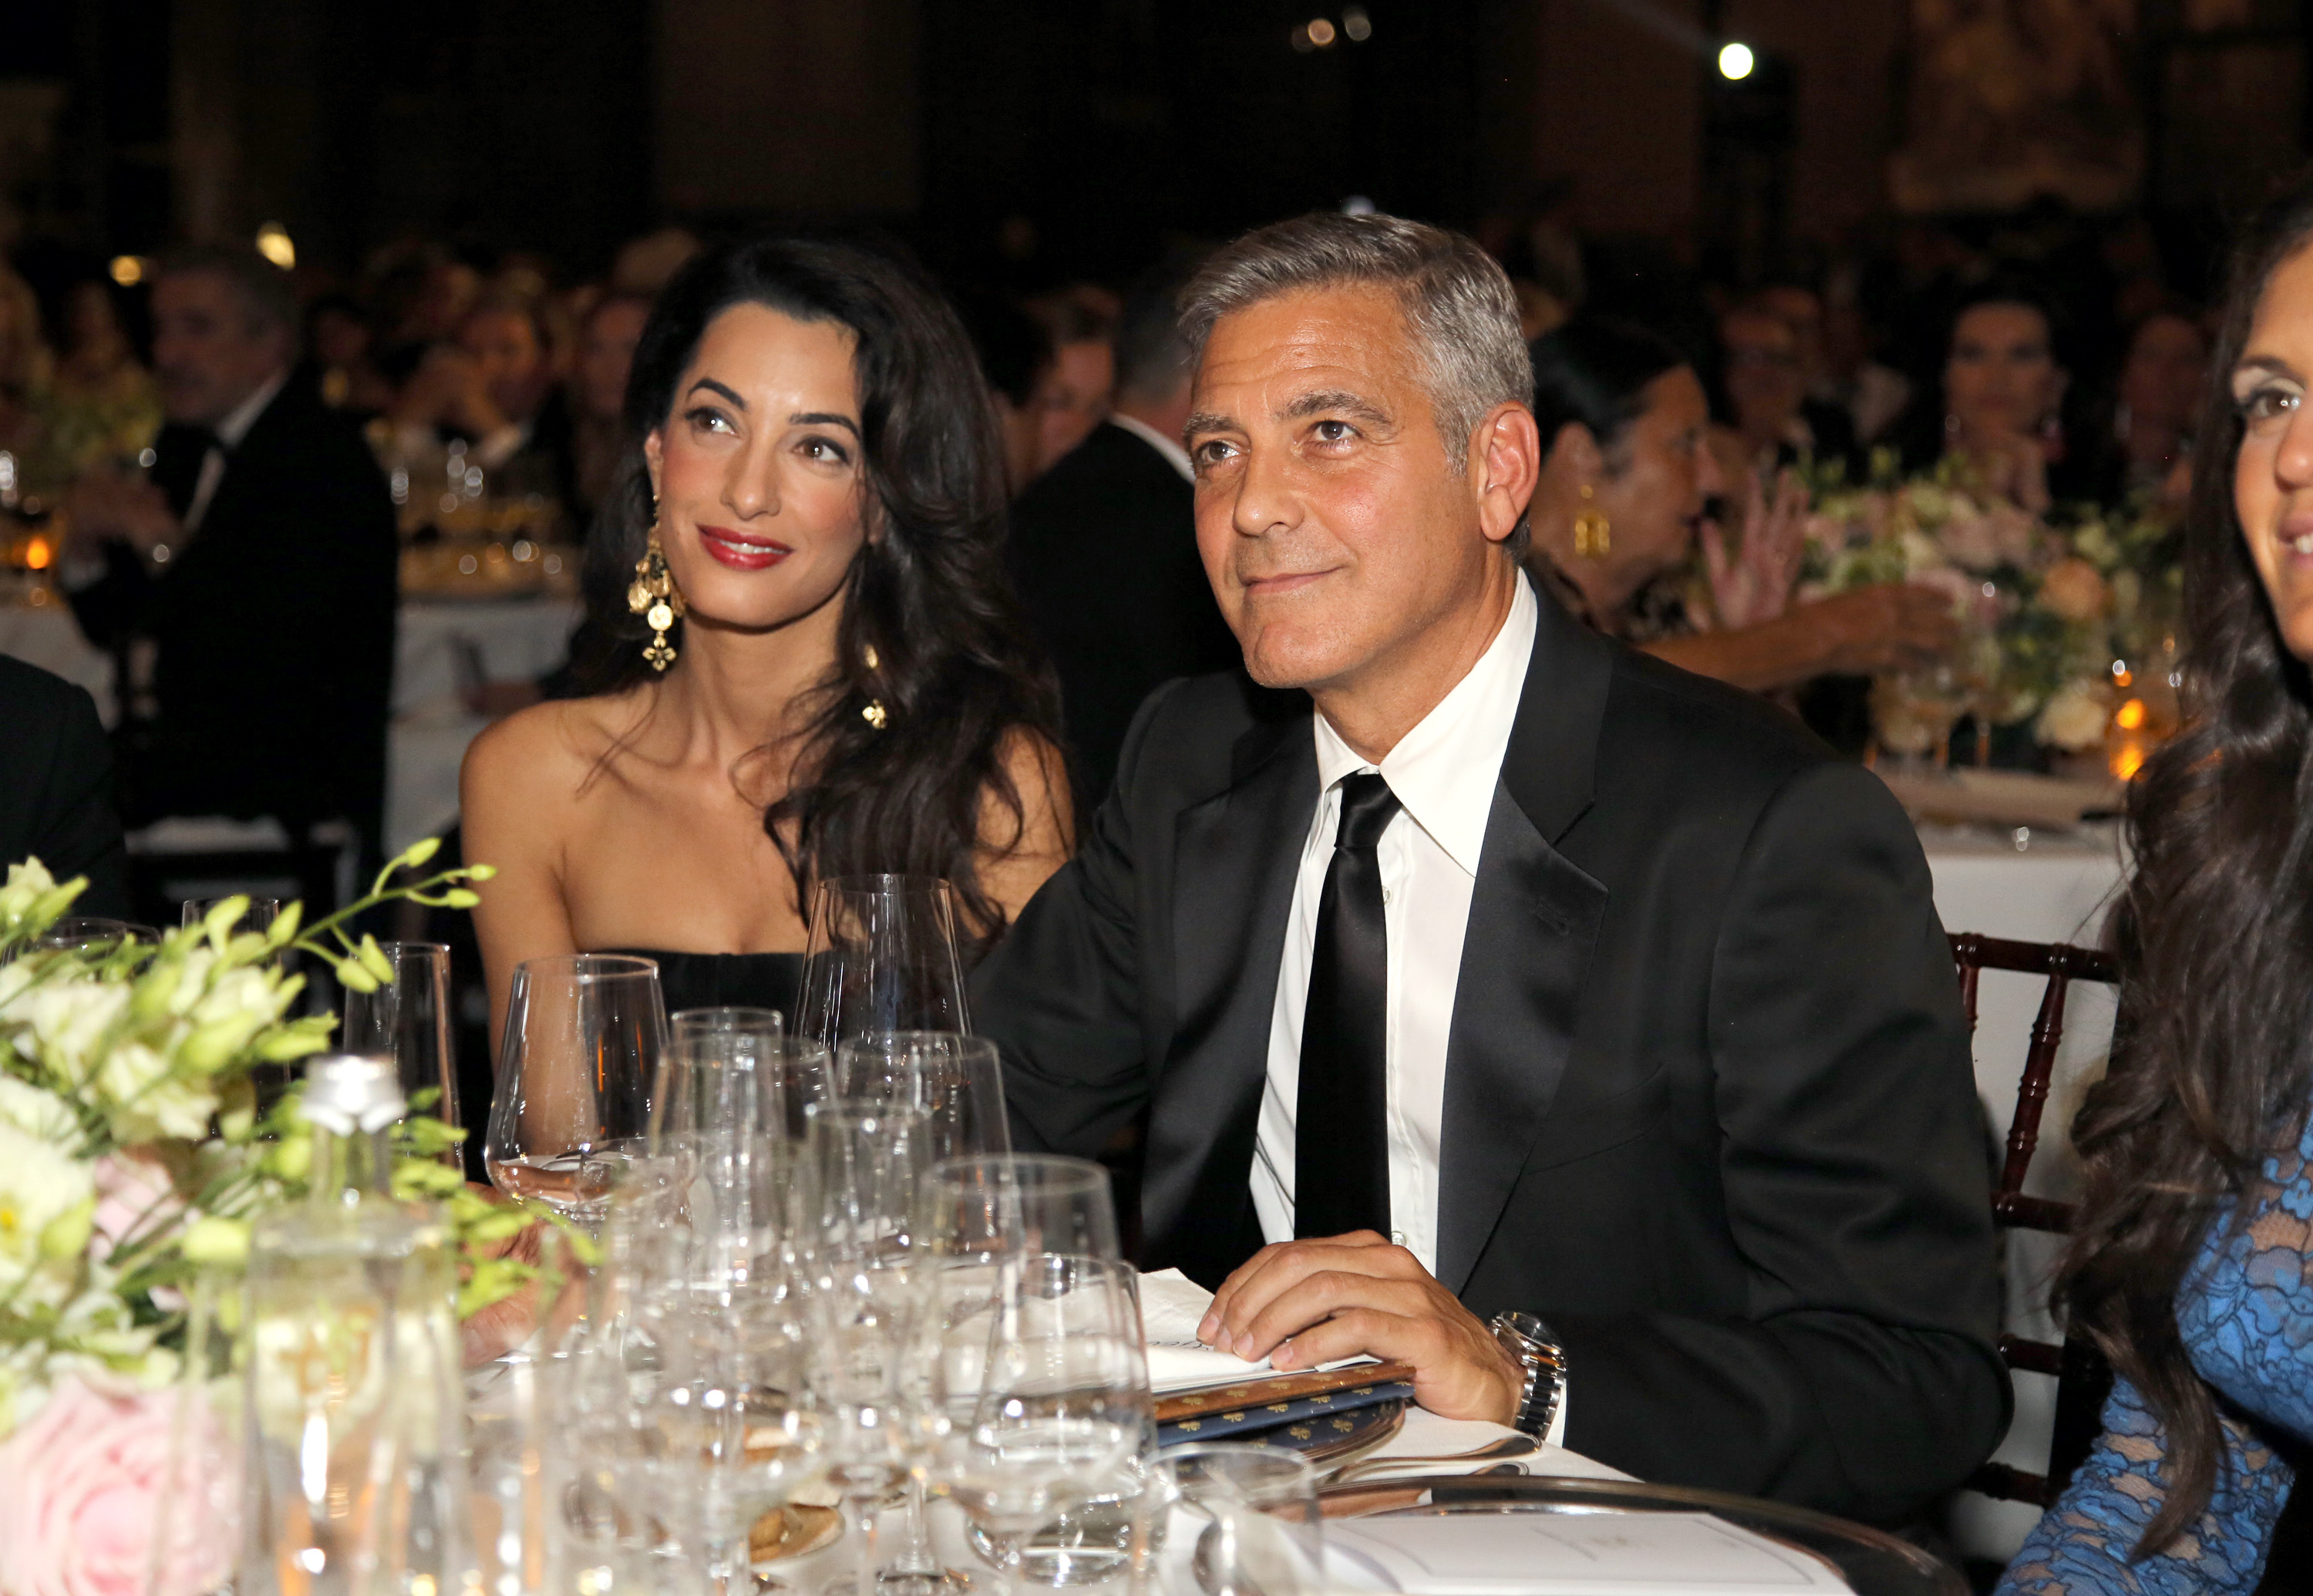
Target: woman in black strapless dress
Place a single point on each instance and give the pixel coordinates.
(806, 661)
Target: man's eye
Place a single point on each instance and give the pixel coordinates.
(1212, 452)
(1334, 432)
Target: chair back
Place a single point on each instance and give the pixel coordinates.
(2081, 1375)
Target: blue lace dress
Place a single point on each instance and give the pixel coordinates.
(2246, 1315)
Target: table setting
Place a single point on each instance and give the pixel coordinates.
(750, 1309)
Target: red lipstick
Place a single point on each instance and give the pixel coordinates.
(742, 551)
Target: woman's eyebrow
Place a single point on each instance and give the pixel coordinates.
(2271, 364)
(712, 387)
(824, 419)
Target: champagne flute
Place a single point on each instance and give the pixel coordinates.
(407, 1021)
(583, 1033)
(881, 957)
(956, 1081)
(799, 1066)
(1042, 1384)
(864, 1159)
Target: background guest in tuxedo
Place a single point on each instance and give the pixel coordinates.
(1104, 550)
(56, 787)
(250, 584)
(1474, 964)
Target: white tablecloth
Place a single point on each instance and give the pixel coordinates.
(2057, 889)
(518, 640)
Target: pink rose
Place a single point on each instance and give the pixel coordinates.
(80, 1487)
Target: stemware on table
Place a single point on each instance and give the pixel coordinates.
(996, 1204)
(955, 1080)
(882, 955)
(797, 1066)
(1242, 1522)
(577, 1061)
(407, 1021)
(1040, 1385)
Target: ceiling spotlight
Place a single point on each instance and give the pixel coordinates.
(1736, 61)
(1356, 23)
(127, 270)
(273, 243)
(1321, 32)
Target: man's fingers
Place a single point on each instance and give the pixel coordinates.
(1321, 1295)
(1279, 1269)
(1357, 1332)
(1209, 1327)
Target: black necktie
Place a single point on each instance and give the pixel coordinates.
(1341, 1131)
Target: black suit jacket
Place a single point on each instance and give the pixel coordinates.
(56, 787)
(1709, 1107)
(1104, 552)
(273, 626)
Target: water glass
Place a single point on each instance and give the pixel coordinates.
(1004, 1203)
(259, 916)
(1244, 1522)
(407, 1021)
(881, 957)
(794, 1067)
(955, 1080)
(197, 1521)
(1041, 1388)
(584, 1034)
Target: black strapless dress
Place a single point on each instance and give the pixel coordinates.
(727, 980)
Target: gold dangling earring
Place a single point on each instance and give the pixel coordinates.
(1593, 533)
(656, 599)
(874, 714)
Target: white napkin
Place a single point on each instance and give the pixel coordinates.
(1171, 1307)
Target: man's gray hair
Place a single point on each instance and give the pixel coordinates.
(266, 293)
(1458, 300)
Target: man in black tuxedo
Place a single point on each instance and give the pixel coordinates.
(1525, 977)
(252, 578)
(1104, 550)
(56, 787)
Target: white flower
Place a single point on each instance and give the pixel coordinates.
(69, 1018)
(42, 1191)
(144, 1098)
(35, 1111)
(2074, 719)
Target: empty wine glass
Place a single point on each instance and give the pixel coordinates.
(407, 1021)
(583, 1037)
(259, 916)
(955, 1080)
(798, 1066)
(1251, 1517)
(91, 933)
(1000, 1203)
(864, 1159)
(881, 957)
(1042, 1385)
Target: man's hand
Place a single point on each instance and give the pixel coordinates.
(1303, 1303)
(105, 507)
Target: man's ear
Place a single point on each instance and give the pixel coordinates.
(1505, 464)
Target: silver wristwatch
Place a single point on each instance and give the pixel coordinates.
(1530, 1342)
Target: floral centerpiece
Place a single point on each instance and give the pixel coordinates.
(134, 1154)
(2046, 602)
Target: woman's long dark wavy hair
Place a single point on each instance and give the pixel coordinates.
(959, 676)
(2212, 1057)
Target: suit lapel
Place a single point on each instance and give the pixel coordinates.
(1235, 858)
(1533, 917)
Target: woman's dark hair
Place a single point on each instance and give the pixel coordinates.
(955, 669)
(2213, 1056)
(1594, 370)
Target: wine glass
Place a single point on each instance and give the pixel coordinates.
(956, 1081)
(1041, 1388)
(996, 1204)
(91, 933)
(798, 1066)
(1255, 1510)
(259, 916)
(881, 957)
(584, 1032)
(720, 1394)
(864, 1159)
(407, 1021)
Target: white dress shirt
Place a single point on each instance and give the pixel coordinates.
(229, 432)
(1444, 772)
(1174, 455)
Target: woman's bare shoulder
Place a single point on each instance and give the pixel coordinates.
(546, 752)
